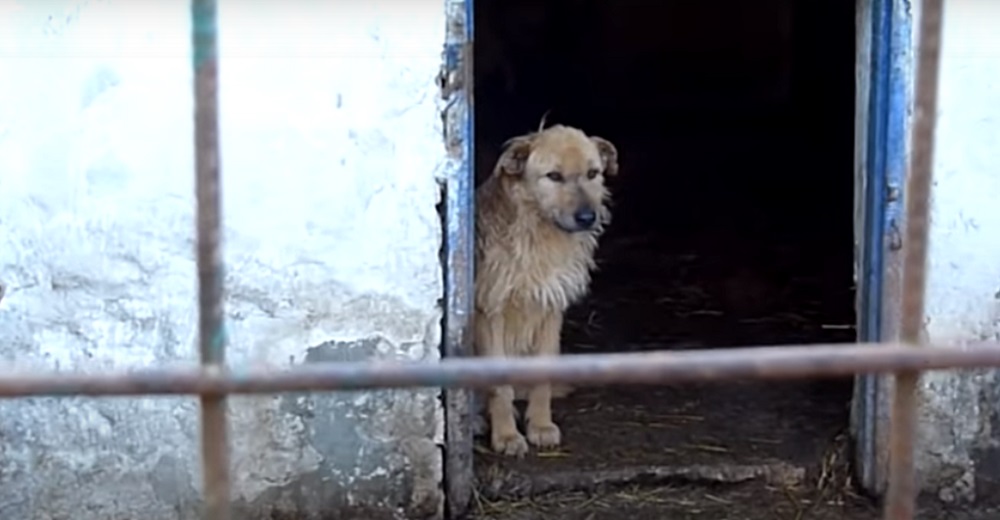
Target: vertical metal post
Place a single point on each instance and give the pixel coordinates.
(459, 248)
(211, 331)
(901, 496)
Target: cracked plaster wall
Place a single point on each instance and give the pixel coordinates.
(332, 153)
(960, 430)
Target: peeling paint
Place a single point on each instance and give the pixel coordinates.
(331, 244)
(959, 460)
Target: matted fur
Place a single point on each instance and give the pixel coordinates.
(533, 260)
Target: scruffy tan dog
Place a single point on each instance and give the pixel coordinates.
(539, 216)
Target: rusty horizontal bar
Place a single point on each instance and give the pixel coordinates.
(661, 367)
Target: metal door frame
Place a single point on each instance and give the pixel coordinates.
(458, 126)
(883, 101)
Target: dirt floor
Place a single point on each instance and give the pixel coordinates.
(749, 501)
(740, 450)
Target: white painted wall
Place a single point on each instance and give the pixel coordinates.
(332, 152)
(961, 415)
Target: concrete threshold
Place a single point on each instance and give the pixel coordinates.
(511, 485)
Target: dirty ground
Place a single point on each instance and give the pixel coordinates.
(743, 450)
(750, 501)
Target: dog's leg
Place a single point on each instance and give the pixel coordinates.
(559, 391)
(503, 426)
(504, 436)
(542, 432)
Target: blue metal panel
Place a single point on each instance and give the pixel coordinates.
(458, 248)
(886, 161)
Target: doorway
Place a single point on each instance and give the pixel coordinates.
(734, 221)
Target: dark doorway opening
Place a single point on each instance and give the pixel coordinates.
(733, 223)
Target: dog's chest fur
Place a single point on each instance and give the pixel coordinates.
(527, 263)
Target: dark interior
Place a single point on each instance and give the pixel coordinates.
(733, 214)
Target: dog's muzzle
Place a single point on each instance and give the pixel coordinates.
(583, 219)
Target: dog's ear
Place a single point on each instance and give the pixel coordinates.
(515, 156)
(609, 154)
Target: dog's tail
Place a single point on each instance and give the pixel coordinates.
(541, 124)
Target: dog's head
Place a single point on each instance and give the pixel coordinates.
(560, 171)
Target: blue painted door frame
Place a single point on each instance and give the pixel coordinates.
(882, 107)
(458, 253)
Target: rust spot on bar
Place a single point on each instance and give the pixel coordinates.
(901, 494)
(211, 334)
(652, 368)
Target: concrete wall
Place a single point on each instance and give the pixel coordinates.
(332, 154)
(961, 420)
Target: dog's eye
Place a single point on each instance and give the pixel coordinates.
(554, 176)
(592, 173)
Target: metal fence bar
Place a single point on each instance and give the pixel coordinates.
(211, 331)
(901, 495)
(656, 368)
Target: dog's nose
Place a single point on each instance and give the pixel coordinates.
(585, 217)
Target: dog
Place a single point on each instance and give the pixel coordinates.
(538, 219)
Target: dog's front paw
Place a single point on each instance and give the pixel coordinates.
(510, 444)
(544, 435)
